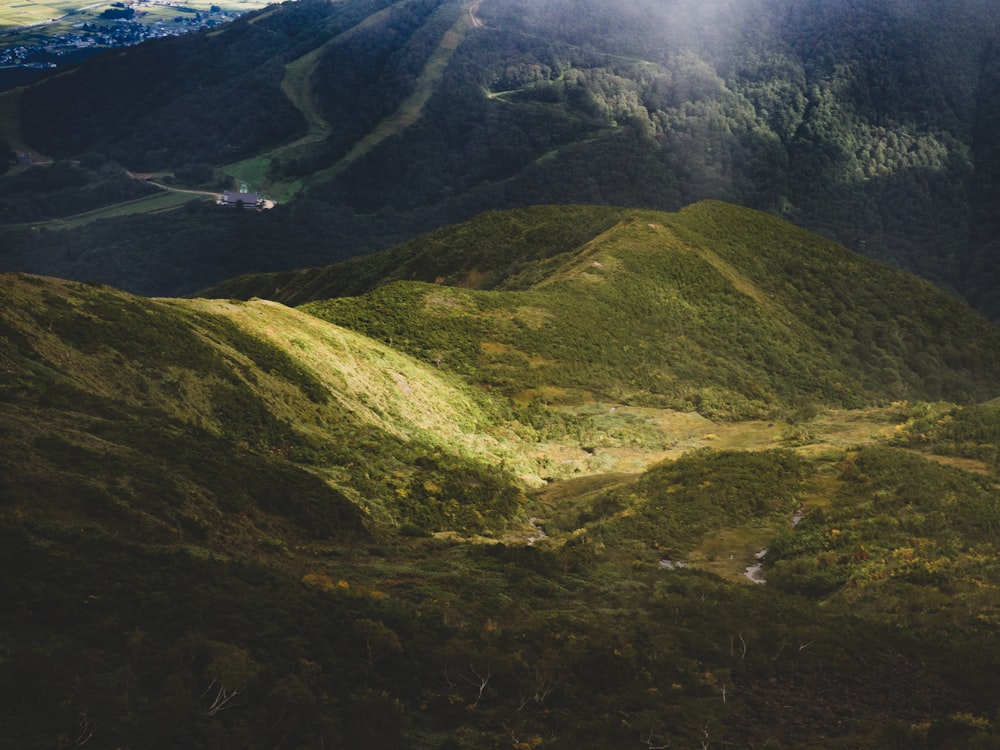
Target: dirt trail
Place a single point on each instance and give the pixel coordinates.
(297, 83)
(171, 189)
(413, 107)
(473, 19)
(297, 87)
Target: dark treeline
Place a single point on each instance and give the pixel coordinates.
(186, 250)
(861, 130)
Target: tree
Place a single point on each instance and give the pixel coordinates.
(230, 671)
(379, 642)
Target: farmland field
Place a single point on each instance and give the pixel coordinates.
(17, 14)
(21, 14)
(13, 15)
(37, 37)
(33, 23)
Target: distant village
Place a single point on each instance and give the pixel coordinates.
(121, 25)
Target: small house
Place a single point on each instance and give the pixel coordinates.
(246, 200)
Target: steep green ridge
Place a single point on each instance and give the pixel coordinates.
(234, 524)
(254, 407)
(481, 253)
(717, 309)
(410, 109)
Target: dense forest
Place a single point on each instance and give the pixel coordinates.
(861, 119)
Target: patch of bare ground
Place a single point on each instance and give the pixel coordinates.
(631, 439)
(552, 394)
(496, 349)
(730, 552)
(842, 427)
(958, 462)
(473, 279)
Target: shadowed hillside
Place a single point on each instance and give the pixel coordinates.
(253, 408)
(236, 524)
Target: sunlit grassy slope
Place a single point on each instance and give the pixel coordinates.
(111, 384)
(429, 403)
(717, 309)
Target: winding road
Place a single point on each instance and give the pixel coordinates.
(169, 188)
(476, 23)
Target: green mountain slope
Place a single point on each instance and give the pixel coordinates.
(720, 309)
(235, 524)
(251, 408)
(482, 254)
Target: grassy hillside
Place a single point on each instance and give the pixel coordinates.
(717, 309)
(480, 254)
(255, 407)
(234, 524)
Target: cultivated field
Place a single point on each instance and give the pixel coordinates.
(28, 13)
(58, 16)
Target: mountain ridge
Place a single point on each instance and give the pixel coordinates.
(565, 476)
(461, 515)
(681, 270)
(639, 310)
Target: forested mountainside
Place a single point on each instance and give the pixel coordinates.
(869, 121)
(516, 508)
